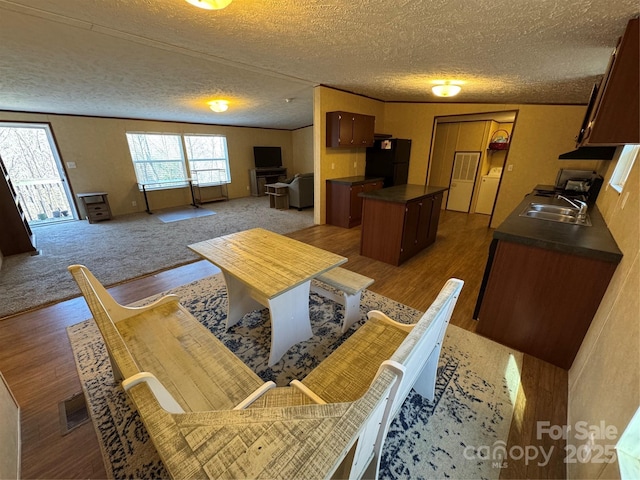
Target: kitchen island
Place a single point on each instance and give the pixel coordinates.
(544, 281)
(399, 222)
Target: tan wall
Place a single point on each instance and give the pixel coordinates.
(541, 133)
(604, 380)
(9, 433)
(457, 137)
(338, 162)
(99, 148)
(302, 140)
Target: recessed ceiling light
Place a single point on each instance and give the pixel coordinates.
(210, 4)
(219, 106)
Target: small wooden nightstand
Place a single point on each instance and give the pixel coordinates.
(96, 205)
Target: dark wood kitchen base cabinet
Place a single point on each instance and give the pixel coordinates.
(344, 205)
(393, 231)
(541, 301)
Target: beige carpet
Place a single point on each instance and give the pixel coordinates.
(126, 247)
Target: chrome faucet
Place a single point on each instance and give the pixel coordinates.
(579, 204)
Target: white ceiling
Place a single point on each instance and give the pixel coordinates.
(164, 59)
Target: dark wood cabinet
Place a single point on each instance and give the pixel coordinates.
(15, 235)
(350, 130)
(436, 208)
(344, 204)
(613, 114)
(363, 130)
(541, 301)
(420, 225)
(399, 224)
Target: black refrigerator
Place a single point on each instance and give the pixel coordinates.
(389, 159)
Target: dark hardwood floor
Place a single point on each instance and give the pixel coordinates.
(36, 359)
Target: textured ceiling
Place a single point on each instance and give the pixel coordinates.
(164, 59)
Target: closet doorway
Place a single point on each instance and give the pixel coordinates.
(32, 161)
(463, 157)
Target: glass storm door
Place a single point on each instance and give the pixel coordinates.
(35, 169)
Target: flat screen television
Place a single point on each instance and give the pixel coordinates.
(266, 157)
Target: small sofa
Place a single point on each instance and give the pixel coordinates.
(210, 416)
(301, 191)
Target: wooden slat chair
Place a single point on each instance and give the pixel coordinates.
(193, 396)
(413, 350)
(209, 416)
(165, 340)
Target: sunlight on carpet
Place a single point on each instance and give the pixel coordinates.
(182, 213)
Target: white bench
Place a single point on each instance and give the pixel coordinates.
(210, 416)
(351, 284)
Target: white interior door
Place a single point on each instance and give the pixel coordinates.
(463, 176)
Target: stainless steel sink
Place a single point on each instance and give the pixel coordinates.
(555, 213)
(559, 209)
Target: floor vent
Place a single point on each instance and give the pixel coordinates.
(73, 413)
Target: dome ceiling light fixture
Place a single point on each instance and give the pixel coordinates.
(219, 106)
(210, 4)
(446, 89)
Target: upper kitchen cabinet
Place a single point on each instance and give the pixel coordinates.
(612, 117)
(349, 130)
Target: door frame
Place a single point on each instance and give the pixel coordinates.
(57, 156)
(473, 116)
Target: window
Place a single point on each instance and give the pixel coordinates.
(164, 159)
(157, 158)
(208, 158)
(623, 168)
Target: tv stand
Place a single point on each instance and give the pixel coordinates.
(259, 177)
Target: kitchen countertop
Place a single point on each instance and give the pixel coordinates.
(403, 193)
(355, 180)
(595, 241)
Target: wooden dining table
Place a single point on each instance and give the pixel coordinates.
(265, 269)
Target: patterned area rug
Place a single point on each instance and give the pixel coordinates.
(475, 393)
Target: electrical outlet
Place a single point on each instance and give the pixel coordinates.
(355, 164)
(333, 165)
(134, 204)
(71, 164)
(510, 168)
